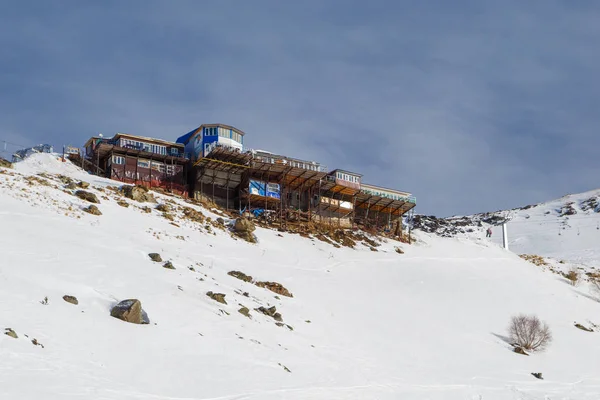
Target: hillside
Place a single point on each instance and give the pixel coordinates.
(362, 324)
(566, 229)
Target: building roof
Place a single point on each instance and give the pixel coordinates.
(188, 136)
(141, 138)
(400, 192)
(345, 171)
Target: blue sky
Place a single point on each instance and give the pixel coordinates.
(471, 105)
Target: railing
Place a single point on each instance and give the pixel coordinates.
(139, 148)
(277, 159)
(407, 199)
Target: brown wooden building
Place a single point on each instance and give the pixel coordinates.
(139, 160)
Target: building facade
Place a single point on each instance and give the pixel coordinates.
(139, 160)
(202, 140)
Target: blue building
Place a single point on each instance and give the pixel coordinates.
(202, 140)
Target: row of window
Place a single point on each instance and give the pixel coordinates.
(347, 177)
(222, 132)
(387, 195)
(157, 166)
(151, 148)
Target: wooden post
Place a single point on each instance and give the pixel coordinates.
(137, 161)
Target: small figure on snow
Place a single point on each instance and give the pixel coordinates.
(488, 233)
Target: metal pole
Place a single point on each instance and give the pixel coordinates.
(504, 236)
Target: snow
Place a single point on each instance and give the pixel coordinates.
(427, 324)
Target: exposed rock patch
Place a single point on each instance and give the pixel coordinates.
(245, 311)
(218, 297)
(138, 193)
(123, 203)
(270, 312)
(5, 163)
(275, 288)
(83, 185)
(87, 196)
(193, 215)
(240, 275)
(92, 209)
(583, 328)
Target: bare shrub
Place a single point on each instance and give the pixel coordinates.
(528, 332)
(573, 276)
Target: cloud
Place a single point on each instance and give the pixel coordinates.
(470, 106)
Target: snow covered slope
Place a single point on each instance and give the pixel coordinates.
(426, 324)
(567, 228)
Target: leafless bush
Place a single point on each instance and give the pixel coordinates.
(528, 332)
(573, 276)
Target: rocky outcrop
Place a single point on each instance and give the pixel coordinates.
(270, 312)
(5, 163)
(193, 215)
(155, 257)
(130, 311)
(83, 185)
(275, 288)
(240, 275)
(70, 299)
(218, 297)
(92, 209)
(138, 193)
(87, 196)
(163, 207)
(243, 228)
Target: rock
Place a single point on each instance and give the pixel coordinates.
(83, 185)
(87, 196)
(243, 224)
(537, 375)
(220, 221)
(70, 299)
(583, 328)
(399, 250)
(123, 203)
(193, 215)
(240, 275)
(243, 228)
(168, 216)
(155, 257)
(519, 350)
(147, 210)
(71, 186)
(168, 265)
(92, 209)
(163, 207)
(218, 297)
(5, 163)
(130, 311)
(275, 288)
(245, 311)
(138, 193)
(11, 333)
(270, 312)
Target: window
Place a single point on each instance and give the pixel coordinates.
(158, 166)
(170, 169)
(174, 151)
(143, 164)
(118, 160)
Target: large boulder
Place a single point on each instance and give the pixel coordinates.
(131, 311)
(155, 257)
(243, 228)
(138, 193)
(87, 196)
(4, 163)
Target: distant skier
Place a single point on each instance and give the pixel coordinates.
(488, 233)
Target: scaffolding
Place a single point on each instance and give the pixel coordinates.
(305, 196)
